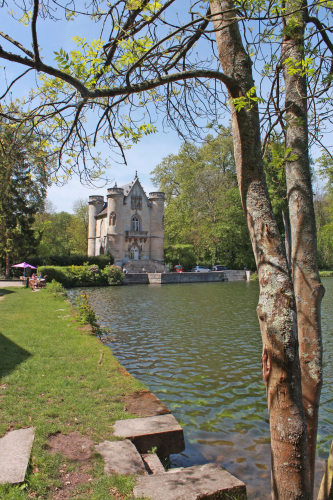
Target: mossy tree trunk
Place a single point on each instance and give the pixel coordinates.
(307, 285)
(277, 307)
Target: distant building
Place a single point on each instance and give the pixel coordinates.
(129, 225)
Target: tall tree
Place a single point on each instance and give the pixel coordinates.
(203, 206)
(23, 183)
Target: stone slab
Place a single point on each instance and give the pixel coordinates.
(201, 482)
(153, 463)
(121, 457)
(15, 448)
(145, 404)
(161, 432)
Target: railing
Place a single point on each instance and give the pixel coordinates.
(138, 234)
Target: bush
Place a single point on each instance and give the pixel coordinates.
(326, 274)
(86, 315)
(114, 275)
(56, 288)
(74, 260)
(82, 275)
(54, 273)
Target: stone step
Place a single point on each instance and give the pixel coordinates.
(161, 432)
(145, 404)
(153, 463)
(15, 448)
(121, 457)
(201, 482)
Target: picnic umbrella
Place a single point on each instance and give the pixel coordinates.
(24, 265)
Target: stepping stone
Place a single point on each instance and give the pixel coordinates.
(15, 448)
(161, 432)
(145, 404)
(204, 482)
(153, 463)
(121, 457)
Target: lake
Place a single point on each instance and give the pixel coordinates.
(197, 347)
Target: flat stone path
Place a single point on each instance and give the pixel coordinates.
(121, 457)
(201, 482)
(162, 432)
(15, 448)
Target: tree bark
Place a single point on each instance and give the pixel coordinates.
(307, 285)
(276, 308)
(326, 487)
(287, 238)
(7, 274)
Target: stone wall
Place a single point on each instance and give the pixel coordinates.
(169, 278)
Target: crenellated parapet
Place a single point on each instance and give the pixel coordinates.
(157, 194)
(96, 200)
(115, 191)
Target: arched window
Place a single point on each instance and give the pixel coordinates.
(112, 219)
(135, 224)
(101, 251)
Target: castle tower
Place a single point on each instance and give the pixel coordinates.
(115, 223)
(96, 204)
(157, 226)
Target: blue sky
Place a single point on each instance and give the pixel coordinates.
(142, 157)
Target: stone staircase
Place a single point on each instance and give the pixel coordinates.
(161, 434)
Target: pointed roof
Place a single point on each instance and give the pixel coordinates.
(128, 187)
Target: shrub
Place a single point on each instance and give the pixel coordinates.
(56, 289)
(74, 260)
(114, 275)
(85, 313)
(83, 275)
(55, 273)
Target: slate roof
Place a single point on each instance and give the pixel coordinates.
(103, 211)
(127, 188)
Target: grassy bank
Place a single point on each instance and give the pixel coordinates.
(50, 379)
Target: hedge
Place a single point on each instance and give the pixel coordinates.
(71, 276)
(74, 260)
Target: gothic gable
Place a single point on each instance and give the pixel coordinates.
(136, 195)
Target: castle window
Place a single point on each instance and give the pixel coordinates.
(112, 219)
(135, 224)
(136, 202)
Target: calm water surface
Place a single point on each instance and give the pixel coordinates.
(198, 348)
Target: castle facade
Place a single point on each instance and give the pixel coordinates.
(128, 225)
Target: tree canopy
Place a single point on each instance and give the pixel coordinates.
(203, 206)
(23, 182)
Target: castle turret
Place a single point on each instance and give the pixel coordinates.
(157, 226)
(95, 206)
(115, 199)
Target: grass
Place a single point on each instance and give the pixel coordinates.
(50, 379)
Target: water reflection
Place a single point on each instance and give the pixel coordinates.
(198, 348)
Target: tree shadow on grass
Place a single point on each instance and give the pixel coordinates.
(11, 355)
(4, 291)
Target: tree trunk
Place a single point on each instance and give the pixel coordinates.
(326, 487)
(287, 238)
(7, 275)
(276, 308)
(307, 285)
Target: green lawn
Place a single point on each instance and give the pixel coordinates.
(50, 379)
